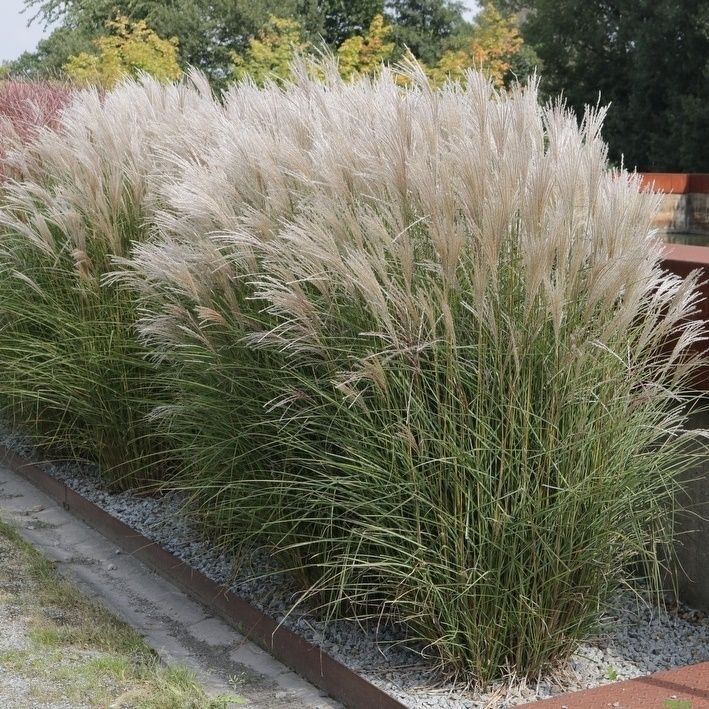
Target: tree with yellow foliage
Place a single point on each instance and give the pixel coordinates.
(130, 48)
(366, 55)
(270, 55)
(493, 45)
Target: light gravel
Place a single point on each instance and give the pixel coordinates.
(14, 688)
(20, 690)
(636, 639)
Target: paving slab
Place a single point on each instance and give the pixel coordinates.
(178, 628)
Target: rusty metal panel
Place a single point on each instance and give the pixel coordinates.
(683, 688)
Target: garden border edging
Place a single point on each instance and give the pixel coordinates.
(304, 658)
(680, 688)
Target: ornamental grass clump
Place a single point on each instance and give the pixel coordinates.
(73, 374)
(25, 108)
(424, 348)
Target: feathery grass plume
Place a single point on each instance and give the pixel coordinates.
(423, 346)
(25, 108)
(73, 371)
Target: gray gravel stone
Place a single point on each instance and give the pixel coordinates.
(637, 638)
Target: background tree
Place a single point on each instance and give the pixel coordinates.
(270, 55)
(212, 32)
(513, 7)
(52, 53)
(648, 58)
(208, 31)
(492, 47)
(427, 27)
(334, 21)
(366, 54)
(129, 49)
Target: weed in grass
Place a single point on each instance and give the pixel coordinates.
(677, 704)
(46, 635)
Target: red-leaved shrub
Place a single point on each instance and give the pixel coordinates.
(25, 108)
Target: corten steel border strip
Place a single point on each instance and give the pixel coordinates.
(306, 659)
(681, 687)
(685, 256)
(676, 182)
(681, 260)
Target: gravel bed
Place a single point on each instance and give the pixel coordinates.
(637, 639)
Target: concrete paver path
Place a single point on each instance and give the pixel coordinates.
(179, 629)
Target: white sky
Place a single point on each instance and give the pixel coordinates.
(472, 5)
(16, 37)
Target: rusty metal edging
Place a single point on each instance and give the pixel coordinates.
(306, 659)
(686, 686)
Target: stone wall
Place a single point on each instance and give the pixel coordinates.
(692, 525)
(684, 213)
(685, 205)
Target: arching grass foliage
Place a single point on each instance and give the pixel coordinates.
(418, 342)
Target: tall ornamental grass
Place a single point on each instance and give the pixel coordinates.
(73, 374)
(421, 344)
(25, 108)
